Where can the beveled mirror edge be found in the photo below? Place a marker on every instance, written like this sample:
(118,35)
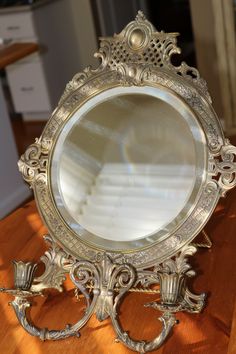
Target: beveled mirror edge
(201,165)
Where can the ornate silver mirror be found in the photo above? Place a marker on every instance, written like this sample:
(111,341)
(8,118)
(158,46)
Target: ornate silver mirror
(116,180)
(127,172)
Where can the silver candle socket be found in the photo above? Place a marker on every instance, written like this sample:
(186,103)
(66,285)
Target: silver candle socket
(171,286)
(24,274)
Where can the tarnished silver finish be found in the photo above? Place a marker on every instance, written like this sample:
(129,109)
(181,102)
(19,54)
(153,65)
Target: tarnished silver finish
(137,57)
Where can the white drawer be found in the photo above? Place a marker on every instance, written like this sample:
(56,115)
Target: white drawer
(16,25)
(28,87)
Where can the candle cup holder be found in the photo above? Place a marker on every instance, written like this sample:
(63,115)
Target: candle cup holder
(24,274)
(171,287)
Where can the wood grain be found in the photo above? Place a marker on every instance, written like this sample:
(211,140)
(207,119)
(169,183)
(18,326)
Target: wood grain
(13,52)
(209,332)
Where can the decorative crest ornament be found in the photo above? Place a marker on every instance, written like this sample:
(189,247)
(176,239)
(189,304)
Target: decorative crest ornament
(33,163)
(139,56)
(134,52)
(223,167)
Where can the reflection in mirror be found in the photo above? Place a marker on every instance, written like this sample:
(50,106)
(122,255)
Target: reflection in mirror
(127,167)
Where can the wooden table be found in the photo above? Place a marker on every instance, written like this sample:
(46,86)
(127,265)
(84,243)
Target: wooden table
(210,332)
(9,54)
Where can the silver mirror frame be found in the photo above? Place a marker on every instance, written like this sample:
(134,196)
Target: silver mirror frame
(147,64)
(137,57)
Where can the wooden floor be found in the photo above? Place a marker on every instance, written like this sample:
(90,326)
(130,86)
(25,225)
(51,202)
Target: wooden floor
(207,333)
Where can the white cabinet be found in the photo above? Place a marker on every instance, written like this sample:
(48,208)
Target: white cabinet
(28,87)
(37,82)
(13,190)
(17,25)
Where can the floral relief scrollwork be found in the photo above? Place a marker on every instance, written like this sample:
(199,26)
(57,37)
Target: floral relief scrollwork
(33,163)
(122,53)
(57,264)
(85,274)
(223,167)
(114,281)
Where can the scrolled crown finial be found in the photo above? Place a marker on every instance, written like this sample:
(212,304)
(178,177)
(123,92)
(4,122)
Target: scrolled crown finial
(140,16)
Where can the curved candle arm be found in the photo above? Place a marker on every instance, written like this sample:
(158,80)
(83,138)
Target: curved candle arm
(103,283)
(168,321)
(21,304)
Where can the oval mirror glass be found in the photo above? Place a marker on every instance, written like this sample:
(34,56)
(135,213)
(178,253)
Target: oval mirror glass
(125,166)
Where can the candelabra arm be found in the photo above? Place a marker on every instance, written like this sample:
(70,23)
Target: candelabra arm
(20,306)
(57,264)
(174,297)
(125,276)
(168,321)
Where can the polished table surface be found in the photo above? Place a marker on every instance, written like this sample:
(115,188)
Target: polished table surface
(212,331)
(10,53)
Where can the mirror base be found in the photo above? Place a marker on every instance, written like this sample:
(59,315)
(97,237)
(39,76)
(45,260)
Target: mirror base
(103,283)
